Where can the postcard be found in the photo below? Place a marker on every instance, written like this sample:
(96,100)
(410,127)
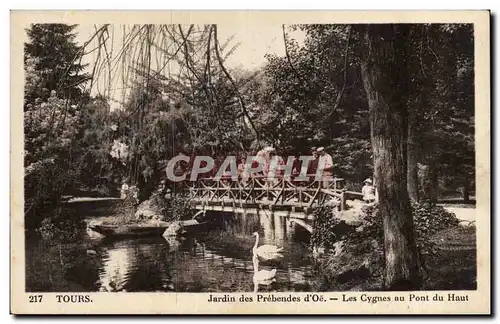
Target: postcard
(250,162)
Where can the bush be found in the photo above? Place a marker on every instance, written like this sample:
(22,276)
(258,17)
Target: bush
(50,134)
(372,227)
(179,208)
(355,257)
(428,219)
(64,226)
(324,227)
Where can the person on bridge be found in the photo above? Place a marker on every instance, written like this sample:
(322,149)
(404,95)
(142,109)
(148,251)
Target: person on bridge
(241,165)
(325,165)
(296,167)
(274,166)
(260,158)
(312,167)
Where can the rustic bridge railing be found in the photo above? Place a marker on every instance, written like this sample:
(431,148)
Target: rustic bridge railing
(279,193)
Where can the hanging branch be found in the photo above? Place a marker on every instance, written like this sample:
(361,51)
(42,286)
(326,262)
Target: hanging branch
(207,66)
(341,93)
(207,73)
(429,46)
(211,96)
(173,55)
(288,58)
(189,65)
(238,94)
(128,39)
(422,52)
(186,53)
(149,42)
(210,88)
(157,72)
(81,51)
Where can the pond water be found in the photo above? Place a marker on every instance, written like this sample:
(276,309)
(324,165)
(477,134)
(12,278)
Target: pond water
(219,260)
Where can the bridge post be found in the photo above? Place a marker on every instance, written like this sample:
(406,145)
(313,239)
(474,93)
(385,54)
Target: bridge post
(266,184)
(240,193)
(299,190)
(234,192)
(342,201)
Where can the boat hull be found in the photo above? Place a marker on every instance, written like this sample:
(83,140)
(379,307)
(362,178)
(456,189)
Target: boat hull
(143,230)
(129,231)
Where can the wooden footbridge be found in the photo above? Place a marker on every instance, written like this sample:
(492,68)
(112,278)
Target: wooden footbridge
(281,196)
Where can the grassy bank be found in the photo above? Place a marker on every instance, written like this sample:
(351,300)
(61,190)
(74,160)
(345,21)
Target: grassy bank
(454,267)
(451,267)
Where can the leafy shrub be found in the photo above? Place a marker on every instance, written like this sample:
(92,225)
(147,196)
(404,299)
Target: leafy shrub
(179,208)
(353,253)
(372,228)
(50,129)
(355,258)
(324,227)
(428,219)
(64,226)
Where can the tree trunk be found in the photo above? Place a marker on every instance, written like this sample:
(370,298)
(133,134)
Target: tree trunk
(466,191)
(384,78)
(432,183)
(412,169)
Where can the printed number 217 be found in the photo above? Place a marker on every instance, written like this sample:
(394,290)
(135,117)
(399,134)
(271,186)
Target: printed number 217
(35,298)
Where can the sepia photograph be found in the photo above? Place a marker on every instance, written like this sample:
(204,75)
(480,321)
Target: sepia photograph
(246,157)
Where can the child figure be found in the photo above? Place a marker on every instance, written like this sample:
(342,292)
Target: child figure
(368,191)
(124,189)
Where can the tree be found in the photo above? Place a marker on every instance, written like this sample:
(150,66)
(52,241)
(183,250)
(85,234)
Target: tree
(51,130)
(96,170)
(385,79)
(420,100)
(52,119)
(53,62)
(443,107)
(319,90)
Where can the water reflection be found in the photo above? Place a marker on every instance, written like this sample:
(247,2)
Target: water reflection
(267,224)
(279,228)
(115,269)
(262,277)
(218,261)
(135,265)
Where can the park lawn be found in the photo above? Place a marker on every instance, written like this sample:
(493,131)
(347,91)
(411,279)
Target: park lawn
(453,268)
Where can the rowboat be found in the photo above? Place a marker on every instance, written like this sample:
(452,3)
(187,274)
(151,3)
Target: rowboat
(148,229)
(130,230)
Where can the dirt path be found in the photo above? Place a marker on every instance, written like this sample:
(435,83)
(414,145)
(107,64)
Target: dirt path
(466,214)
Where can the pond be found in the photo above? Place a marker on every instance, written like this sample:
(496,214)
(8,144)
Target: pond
(219,260)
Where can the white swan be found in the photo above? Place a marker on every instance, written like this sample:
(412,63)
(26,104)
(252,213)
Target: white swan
(262,277)
(266,251)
